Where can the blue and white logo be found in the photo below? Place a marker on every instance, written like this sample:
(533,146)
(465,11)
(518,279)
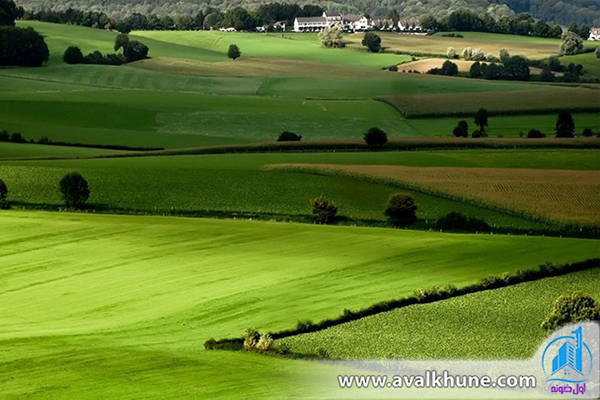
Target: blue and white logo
(567,359)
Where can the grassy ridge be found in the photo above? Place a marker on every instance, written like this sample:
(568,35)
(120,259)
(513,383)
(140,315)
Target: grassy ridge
(112,300)
(438,330)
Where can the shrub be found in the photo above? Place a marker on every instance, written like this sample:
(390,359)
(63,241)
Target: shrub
(287,136)
(3,195)
(73,55)
(504,55)
(597,52)
(478,134)
(449,68)
(393,68)
(587,132)
(264,343)
(372,42)
(571,44)
(457,221)
(304,325)
(234,52)
(535,134)
(450,53)
(477,55)
(375,137)
(251,338)
(461,129)
(135,51)
(17,138)
(4,136)
(475,71)
(323,210)
(74,189)
(573,307)
(490,282)
(401,210)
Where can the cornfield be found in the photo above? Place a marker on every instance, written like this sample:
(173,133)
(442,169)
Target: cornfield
(551,195)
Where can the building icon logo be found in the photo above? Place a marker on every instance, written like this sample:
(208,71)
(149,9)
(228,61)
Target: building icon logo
(567,359)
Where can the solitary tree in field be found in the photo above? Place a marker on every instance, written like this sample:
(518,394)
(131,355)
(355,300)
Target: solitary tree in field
(573,307)
(481,119)
(372,42)
(565,125)
(332,37)
(74,189)
(375,137)
(571,44)
(3,195)
(401,210)
(234,52)
(323,210)
(134,51)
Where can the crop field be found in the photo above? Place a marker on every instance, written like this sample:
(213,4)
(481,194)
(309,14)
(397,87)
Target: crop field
(439,329)
(534,48)
(507,102)
(92,303)
(566,196)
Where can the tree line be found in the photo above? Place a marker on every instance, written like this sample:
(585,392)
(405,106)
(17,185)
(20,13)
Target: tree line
(523,24)
(210,18)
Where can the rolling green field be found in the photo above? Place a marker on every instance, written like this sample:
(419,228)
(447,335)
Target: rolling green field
(238,183)
(97,306)
(462,328)
(190,94)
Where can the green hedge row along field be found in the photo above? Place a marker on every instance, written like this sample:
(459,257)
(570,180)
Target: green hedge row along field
(440,329)
(547,100)
(104,306)
(18,150)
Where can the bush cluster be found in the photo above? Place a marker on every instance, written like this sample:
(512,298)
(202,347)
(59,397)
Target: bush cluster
(424,295)
(287,136)
(458,222)
(323,210)
(573,307)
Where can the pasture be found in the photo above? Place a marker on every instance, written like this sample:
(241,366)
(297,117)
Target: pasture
(554,195)
(96,305)
(440,329)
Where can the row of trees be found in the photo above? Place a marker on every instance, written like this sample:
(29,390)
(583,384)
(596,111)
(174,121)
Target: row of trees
(564,127)
(133,50)
(210,18)
(522,24)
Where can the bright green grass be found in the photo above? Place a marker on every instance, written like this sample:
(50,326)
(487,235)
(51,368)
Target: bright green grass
(463,327)
(14,150)
(111,306)
(59,37)
(236,182)
(167,119)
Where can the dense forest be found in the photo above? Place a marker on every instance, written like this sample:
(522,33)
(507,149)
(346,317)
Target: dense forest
(558,11)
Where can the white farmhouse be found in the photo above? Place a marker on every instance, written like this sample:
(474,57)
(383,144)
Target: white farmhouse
(594,34)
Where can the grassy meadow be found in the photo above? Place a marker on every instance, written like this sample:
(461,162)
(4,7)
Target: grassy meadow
(460,328)
(190,94)
(101,306)
(116,300)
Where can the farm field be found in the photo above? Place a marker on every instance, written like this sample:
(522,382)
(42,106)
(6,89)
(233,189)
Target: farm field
(460,328)
(565,196)
(131,299)
(190,94)
(237,182)
(534,48)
